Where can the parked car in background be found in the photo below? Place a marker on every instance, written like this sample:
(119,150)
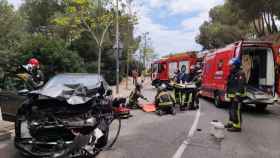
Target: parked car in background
(258,63)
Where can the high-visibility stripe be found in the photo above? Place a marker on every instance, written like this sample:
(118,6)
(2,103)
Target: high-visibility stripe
(166,104)
(190,98)
(238,125)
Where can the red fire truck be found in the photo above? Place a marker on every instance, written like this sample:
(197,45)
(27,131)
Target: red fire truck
(164,69)
(258,64)
(277,60)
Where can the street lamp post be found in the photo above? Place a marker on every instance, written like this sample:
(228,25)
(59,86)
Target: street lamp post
(130,49)
(117,47)
(144,54)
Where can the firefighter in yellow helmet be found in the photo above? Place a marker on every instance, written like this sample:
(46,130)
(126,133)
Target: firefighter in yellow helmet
(164,101)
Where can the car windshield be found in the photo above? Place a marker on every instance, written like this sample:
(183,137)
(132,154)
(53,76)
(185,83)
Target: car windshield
(87,80)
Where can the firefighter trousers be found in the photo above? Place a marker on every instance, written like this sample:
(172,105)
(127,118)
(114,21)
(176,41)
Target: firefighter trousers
(195,98)
(235,115)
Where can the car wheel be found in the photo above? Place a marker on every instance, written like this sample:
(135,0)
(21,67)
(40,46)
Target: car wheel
(261,107)
(102,142)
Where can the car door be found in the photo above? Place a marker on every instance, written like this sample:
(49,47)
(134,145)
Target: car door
(10,99)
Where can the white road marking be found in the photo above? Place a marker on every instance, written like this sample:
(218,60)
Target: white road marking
(184,145)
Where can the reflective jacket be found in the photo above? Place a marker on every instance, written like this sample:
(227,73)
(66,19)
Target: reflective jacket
(164,99)
(236,82)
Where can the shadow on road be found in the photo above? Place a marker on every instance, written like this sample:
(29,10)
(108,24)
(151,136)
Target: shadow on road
(272,110)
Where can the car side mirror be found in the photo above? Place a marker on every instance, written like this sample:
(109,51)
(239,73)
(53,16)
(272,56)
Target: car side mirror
(109,92)
(23,92)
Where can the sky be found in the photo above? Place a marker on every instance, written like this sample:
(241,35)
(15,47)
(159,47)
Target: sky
(172,24)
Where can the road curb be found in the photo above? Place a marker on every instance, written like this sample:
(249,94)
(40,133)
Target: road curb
(5,135)
(5,130)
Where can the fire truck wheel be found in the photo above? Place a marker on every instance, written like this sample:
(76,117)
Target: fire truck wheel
(217,101)
(261,107)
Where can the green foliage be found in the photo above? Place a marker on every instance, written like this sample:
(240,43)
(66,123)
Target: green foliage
(11,28)
(84,15)
(65,35)
(39,13)
(239,19)
(224,27)
(54,56)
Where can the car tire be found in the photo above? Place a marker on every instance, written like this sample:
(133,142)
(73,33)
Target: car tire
(261,107)
(102,142)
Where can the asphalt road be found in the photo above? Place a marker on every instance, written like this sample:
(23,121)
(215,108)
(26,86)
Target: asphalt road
(147,135)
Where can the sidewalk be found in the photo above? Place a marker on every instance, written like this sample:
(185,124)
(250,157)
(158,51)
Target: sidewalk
(125,91)
(5,128)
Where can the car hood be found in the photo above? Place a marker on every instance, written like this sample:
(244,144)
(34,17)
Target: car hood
(73,94)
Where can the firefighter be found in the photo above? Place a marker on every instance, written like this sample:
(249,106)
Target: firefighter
(179,92)
(37,75)
(134,96)
(175,75)
(195,77)
(164,101)
(235,92)
(198,82)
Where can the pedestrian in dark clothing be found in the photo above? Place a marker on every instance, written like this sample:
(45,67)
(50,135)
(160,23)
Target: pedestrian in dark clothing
(235,92)
(135,75)
(195,78)
(183,76)
(134,96)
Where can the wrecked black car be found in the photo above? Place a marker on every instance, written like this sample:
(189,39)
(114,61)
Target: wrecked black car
(71,116)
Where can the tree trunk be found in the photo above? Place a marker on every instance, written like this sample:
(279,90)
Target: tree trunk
(127,67)
(256,28)
(266,18)
(262,26)
(99,59)
(274,26)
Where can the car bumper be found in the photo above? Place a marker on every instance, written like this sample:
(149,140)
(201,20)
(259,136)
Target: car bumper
(25,147)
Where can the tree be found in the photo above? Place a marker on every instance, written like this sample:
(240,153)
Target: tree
(224,27)
(12,27)
(85,15)
(53,55)
(39,13)
(261,13)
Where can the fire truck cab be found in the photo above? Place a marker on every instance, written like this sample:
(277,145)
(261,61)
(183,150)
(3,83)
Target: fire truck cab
(165,69)
(257,63)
